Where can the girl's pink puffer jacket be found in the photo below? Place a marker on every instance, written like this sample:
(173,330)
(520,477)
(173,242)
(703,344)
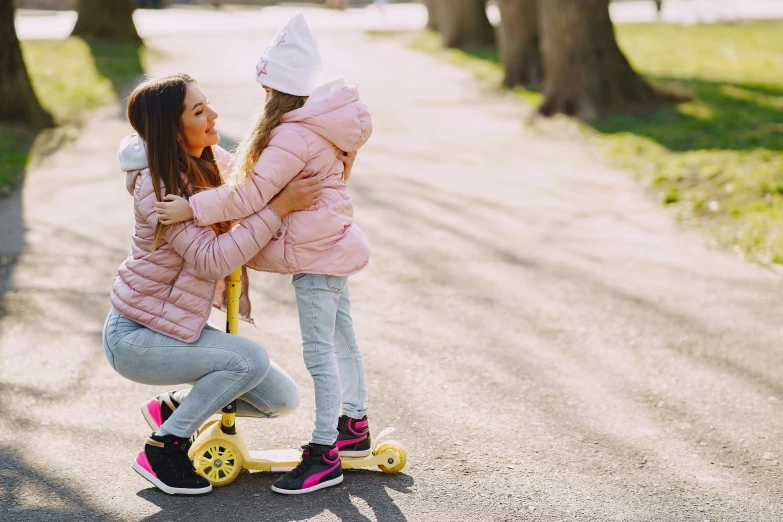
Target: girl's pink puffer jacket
(172,290)
(320,240)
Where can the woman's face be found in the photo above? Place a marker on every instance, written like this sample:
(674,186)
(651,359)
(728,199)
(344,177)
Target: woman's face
(268,93)
(198,122)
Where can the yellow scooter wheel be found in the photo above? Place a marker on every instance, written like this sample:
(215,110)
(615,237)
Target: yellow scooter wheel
(218,461)
(393,464)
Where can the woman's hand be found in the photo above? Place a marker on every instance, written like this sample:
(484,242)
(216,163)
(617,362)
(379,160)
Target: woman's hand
(300,193)
(173,209)
(347,158)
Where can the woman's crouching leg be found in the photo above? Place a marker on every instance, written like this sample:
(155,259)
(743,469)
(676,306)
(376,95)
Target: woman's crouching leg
(275,396)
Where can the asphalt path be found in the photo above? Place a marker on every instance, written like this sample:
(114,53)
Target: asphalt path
(549,344)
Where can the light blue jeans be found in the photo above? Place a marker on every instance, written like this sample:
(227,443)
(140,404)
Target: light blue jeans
(220,366)
(331,353)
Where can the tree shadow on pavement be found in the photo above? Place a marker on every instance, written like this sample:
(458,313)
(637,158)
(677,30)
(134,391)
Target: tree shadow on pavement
(27,494)
(250,496)
(121,65)
(18,145)
(394,200)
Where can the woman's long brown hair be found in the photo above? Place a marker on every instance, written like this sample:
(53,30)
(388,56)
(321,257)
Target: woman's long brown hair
(155,110)
(251,148)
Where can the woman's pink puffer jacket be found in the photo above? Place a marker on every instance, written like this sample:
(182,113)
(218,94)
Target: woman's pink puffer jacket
(172,290)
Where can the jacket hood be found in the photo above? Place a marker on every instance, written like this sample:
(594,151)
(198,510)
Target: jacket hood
(335,112)
(133,153)
(133,159)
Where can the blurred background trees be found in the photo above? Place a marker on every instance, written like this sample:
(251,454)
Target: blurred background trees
(567,49)
(18,102)
(463,23)
(519,43)
(106,20)
(586,72)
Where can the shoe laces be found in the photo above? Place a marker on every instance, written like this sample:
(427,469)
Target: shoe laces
(304,464)
(179,461)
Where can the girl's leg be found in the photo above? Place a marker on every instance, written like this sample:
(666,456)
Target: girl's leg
(317,298)
(222,366)
(349,361)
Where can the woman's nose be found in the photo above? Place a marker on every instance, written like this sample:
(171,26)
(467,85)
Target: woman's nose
(213,115)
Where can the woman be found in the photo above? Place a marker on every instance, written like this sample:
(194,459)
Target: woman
(163,292)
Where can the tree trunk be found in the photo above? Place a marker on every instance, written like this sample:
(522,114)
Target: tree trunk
(18,102)
(586,73)
(107,20)
(518,40)
(432,14)
(464,23)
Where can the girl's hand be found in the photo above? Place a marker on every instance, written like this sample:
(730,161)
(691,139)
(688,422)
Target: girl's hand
(347,158)
(173,209)
(301,192)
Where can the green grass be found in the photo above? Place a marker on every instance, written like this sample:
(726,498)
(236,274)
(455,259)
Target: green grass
(70,77)
(717,160)
(15,146)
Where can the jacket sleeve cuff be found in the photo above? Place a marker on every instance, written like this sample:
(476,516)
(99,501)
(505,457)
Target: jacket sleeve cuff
(193,210)
(204,213)
(272,221)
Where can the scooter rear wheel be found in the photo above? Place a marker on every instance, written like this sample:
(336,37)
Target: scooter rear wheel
(393,465)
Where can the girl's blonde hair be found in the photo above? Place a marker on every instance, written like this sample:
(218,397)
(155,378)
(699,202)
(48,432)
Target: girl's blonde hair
(250,149)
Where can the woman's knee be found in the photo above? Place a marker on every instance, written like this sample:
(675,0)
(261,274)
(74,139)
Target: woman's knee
(250,358)
(289,399)
(276,396)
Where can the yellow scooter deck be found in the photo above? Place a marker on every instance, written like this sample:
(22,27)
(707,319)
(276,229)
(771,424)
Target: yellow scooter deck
(219,457)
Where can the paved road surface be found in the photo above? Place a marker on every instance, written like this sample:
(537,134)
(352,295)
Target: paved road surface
(548,343)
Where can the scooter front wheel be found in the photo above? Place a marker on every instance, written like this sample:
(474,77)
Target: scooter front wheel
(218,461)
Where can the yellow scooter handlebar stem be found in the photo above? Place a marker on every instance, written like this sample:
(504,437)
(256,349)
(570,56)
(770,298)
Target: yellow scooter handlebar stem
(233,291)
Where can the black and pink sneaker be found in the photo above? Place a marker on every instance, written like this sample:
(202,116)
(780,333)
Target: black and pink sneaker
(164,462)
(353,437)
(320,468)
(158,409)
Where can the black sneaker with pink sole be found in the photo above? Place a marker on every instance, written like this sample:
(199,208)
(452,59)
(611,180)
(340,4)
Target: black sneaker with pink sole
(164,462)
(353,437)
(158,409)
(320,468)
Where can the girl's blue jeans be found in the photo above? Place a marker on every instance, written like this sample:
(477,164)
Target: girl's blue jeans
(331,353)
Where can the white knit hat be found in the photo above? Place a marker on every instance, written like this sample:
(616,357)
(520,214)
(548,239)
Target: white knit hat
(291,63)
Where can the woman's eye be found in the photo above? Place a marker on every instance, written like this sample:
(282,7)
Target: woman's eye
(199,112)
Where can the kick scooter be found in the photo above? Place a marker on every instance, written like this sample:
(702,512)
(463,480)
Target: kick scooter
(219,452)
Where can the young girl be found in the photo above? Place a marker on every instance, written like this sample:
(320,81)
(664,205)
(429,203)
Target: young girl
(304,126)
